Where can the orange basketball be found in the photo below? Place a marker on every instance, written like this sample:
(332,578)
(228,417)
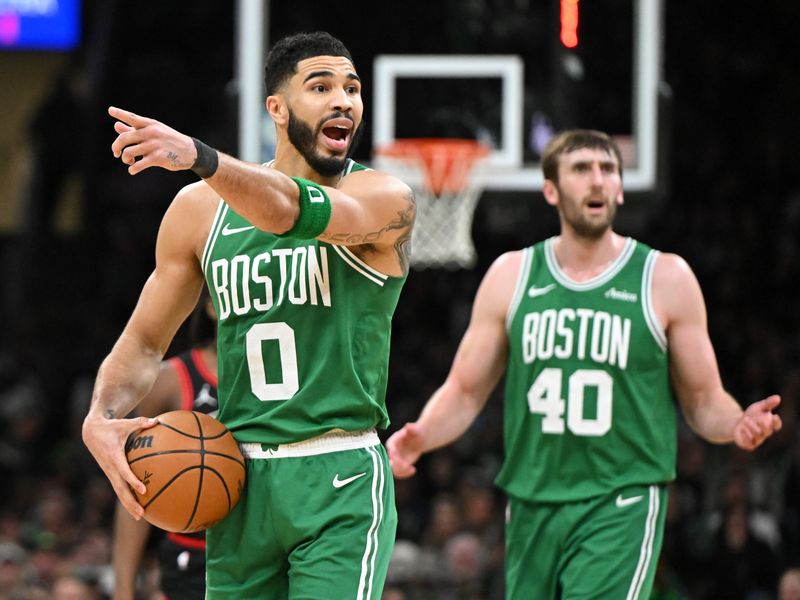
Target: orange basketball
(193,470)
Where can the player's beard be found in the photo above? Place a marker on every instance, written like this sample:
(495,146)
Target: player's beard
(304,139)
(572,214)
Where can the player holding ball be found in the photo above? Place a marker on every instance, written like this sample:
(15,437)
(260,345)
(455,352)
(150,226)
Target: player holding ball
(305,259)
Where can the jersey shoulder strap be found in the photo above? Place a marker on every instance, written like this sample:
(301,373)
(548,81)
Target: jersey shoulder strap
(352,166)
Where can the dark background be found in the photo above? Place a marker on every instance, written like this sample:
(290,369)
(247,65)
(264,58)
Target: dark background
(79,244)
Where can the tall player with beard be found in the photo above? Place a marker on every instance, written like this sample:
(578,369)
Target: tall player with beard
(593,331)
(304,259)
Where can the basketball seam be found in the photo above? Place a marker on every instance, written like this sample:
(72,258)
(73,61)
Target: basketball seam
(191,435)
(170,482)
(209,452)
(202,471)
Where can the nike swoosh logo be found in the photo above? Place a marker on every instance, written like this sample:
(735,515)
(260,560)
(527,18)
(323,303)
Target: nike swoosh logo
(623,502)
(340,483)
(533,291)
(228,230)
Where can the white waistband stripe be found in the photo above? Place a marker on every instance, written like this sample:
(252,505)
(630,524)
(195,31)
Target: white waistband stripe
(333,441)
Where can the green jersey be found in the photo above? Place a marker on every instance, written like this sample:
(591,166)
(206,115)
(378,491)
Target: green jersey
(588,402)
(303,333)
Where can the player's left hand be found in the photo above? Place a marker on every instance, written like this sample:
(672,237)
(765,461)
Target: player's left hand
(404,448)
(757,423)
(143,143)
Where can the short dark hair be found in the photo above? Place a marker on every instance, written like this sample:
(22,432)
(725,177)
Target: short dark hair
(283,57)
(575,139)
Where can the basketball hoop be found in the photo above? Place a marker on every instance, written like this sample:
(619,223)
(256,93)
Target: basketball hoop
(446,197)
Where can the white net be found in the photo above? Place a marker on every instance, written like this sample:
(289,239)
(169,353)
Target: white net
(440,172)
(442,235)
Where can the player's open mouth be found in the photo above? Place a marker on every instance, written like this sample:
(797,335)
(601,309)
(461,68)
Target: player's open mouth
(336,133)
(595,204)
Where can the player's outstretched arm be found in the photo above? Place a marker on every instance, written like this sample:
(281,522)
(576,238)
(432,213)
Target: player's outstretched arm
(368,207)
(477,367)
(128,372)
(264,196)
(711,411)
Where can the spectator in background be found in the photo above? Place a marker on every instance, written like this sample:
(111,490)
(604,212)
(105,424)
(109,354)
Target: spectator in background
(741,566)
(465,563)
(12,570)
(446,520)
(75,586)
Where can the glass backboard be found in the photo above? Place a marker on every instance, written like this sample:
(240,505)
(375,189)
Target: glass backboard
(519,83)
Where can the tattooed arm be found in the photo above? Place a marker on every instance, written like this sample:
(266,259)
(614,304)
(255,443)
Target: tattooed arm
(373,213)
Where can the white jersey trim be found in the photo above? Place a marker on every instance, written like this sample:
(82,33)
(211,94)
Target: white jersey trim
(650,317)
(595,282)
(359,265)
(216,225)
(350,165)
(348,168)
(522,282)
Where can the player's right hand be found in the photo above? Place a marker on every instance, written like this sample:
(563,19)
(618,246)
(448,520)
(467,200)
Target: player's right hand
(405,447)
(143,142)
(105,438)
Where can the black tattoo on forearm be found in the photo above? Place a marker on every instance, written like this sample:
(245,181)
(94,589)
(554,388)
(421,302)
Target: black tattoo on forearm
(403,220)
(110,413)
(403,244)
(403,248)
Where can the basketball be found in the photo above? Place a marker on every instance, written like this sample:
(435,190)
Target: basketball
(193,470)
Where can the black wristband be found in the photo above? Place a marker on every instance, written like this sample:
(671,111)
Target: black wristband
(207,161)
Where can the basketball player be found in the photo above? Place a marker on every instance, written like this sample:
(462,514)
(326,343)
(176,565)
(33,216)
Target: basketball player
(593,331)
(305,259)
(187,381)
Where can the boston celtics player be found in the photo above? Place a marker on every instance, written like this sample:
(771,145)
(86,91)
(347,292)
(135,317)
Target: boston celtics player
(304,259)
(593,331)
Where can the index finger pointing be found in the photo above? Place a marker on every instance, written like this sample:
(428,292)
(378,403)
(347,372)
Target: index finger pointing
(771,402)
(128,117)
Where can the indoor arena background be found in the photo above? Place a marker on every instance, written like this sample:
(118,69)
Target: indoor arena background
(77,235)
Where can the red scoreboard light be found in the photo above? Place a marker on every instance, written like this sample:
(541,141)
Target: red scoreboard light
(569,23)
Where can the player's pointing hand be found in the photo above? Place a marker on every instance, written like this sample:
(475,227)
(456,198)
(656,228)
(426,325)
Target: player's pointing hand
(142,143)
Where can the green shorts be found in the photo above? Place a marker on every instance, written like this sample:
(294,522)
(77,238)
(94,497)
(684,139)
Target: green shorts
(315,520)
(602,548)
